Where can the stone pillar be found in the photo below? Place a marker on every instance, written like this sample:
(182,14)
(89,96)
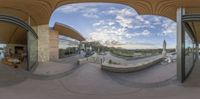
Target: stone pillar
(53,46)
(43,43)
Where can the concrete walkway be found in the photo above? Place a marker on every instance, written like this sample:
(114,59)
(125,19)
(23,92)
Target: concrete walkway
(194,79)
(11,76)
(57,67)
(52,68)
(89,82)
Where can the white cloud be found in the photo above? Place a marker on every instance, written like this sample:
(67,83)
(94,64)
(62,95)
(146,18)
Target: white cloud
(105,33)
(140,18)
(143,33)
(121,24)
(126,12)
(87,10)
(137,46)
(99,23)
(90,12)
(169,27)
(124,22)
(122,16)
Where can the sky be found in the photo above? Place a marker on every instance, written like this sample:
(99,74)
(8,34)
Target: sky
(117,25)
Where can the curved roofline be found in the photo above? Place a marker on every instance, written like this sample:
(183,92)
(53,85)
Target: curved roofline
(18,22)
(142,7)
(57,26)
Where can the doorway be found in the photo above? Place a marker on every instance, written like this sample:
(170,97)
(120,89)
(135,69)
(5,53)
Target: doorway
(20,48)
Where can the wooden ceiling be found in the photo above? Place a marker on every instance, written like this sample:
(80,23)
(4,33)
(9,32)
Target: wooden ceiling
(68,31)
(12,34)
(40,11)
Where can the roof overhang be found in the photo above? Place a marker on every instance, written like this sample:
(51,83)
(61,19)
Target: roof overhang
(68,31)
(40,11)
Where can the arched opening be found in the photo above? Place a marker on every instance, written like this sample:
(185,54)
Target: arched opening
(18,43)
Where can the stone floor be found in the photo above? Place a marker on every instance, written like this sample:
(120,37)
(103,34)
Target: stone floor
(52,68)
(11,76)
(57,67)
(90,82)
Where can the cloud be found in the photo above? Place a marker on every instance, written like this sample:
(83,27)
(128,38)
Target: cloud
(136,34)
(124,22)
(122,16)
(88,10)
(121,24)
(137,46)
(169,27)
(125,11)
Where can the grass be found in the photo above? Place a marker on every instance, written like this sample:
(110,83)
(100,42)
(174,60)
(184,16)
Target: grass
(131,54)
(119,53)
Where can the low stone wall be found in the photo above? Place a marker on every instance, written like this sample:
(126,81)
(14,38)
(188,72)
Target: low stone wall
(130,67)
(91,59)
(82,61)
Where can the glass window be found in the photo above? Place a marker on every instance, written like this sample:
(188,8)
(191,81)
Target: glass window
(189,54)
(32,50)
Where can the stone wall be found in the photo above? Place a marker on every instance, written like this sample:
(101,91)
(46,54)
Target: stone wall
(43,43)
(53,46)
(126,68)
(48,41)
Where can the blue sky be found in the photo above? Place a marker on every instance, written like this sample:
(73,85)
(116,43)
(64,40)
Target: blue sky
(117,25)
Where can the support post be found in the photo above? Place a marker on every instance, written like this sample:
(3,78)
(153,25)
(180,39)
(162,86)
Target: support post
(180,46)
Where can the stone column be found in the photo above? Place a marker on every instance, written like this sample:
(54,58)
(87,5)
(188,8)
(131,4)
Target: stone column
(54,45)
(43,43)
